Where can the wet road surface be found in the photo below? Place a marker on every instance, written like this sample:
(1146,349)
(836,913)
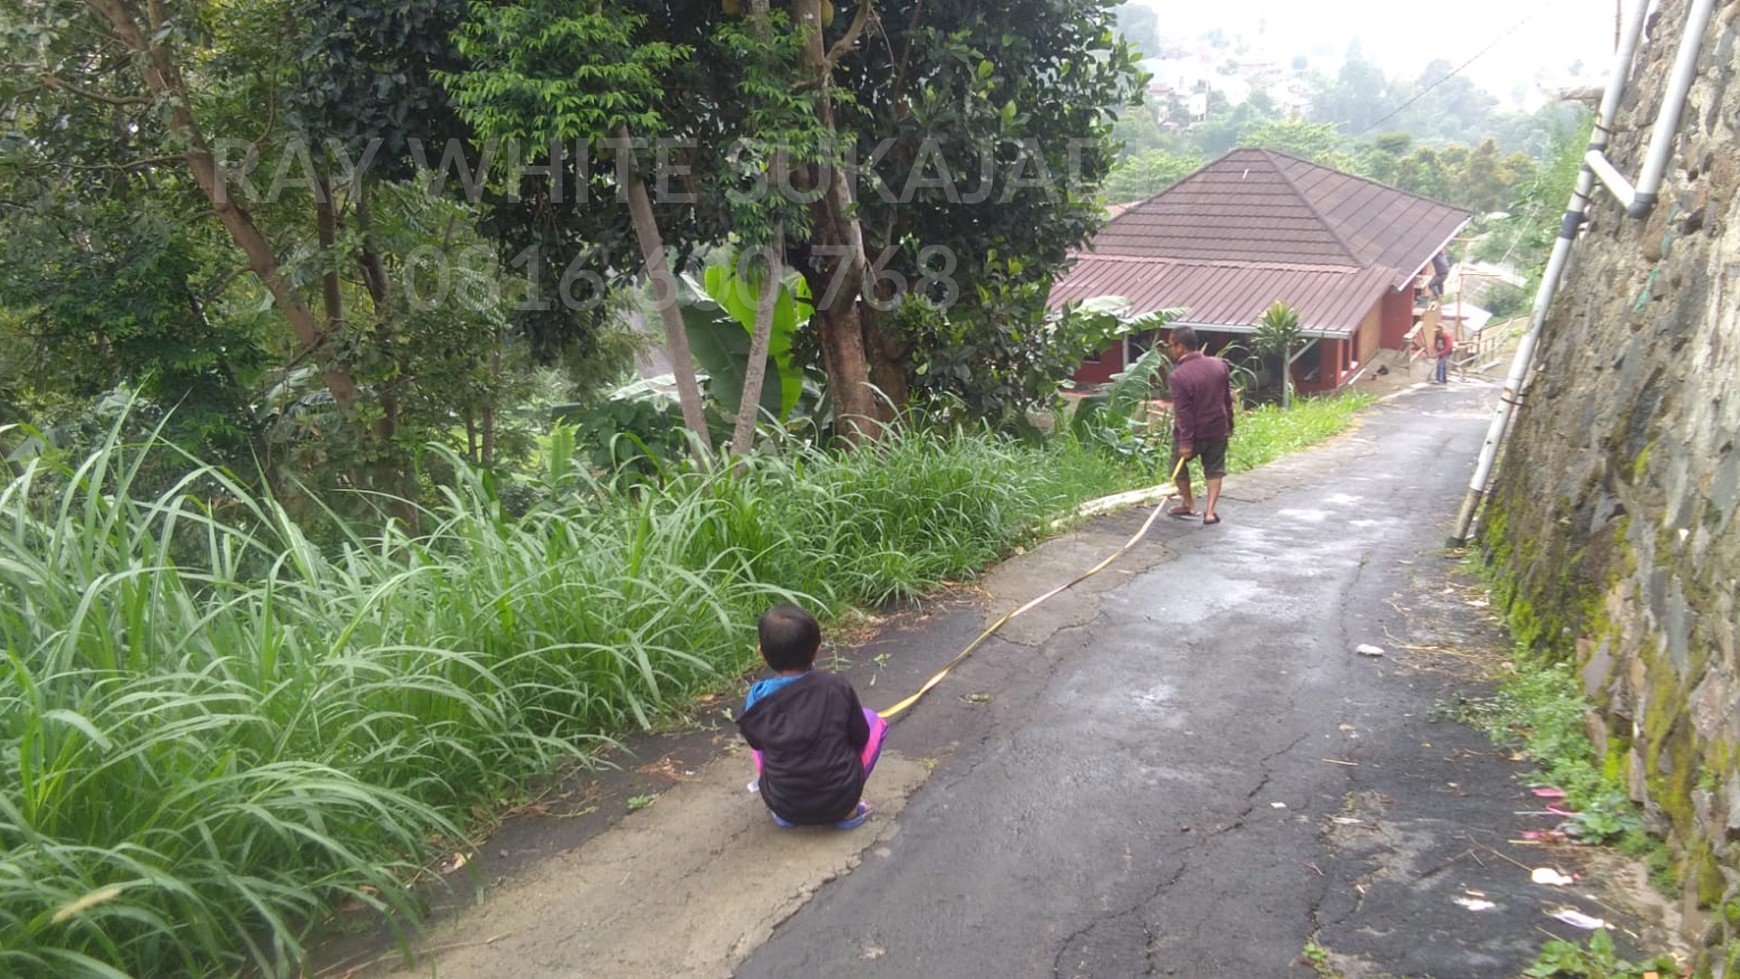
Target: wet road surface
(1187,769)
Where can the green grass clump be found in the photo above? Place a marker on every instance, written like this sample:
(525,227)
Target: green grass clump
(1598,960)
(1267,432)
(212,731)
(1542,708)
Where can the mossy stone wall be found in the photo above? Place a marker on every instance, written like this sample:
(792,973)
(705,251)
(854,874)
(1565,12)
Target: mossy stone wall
(1613,523)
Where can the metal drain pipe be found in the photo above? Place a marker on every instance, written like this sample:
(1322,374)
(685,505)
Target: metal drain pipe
(1639,200)
(1569,226)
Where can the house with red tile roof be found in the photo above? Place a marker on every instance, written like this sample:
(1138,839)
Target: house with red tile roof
(1257,227)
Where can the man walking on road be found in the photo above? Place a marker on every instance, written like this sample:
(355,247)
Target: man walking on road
(1202,421)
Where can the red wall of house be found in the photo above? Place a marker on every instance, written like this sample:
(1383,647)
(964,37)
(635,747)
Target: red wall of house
(1331,366)
(1111,362)
(1340,358)
(1398,318)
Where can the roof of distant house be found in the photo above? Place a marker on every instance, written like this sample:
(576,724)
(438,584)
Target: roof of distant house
(1256,227)
(1229,296)
(1262,206)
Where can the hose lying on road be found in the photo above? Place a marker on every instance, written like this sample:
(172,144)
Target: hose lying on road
(889,712)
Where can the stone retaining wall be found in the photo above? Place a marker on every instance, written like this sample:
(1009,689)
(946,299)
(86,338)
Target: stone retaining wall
(1613,518)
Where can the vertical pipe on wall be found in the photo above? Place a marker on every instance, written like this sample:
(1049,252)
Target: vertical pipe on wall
(1569,226)
(1667,122)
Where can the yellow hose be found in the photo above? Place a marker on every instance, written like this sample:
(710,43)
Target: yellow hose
(889,712)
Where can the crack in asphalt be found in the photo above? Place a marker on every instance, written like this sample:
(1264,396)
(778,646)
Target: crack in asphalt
(1136,911)
(1263,783)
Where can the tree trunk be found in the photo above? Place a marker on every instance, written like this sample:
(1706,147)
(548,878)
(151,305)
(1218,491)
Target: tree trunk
(845,269)
(842,337)
(326,230)
(163,78)
(1286,377)
(755,374)
(652,249)
(488,443)
(887,363)
(374,269)
(760,338)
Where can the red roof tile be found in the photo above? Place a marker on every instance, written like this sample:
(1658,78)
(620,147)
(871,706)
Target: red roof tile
(1229,296)
(1260,206)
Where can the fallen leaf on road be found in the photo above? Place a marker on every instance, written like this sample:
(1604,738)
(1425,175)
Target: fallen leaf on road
(1571,916)
(1277,805)
(1475,904)
(1367,649)
(666,767)
(1547,875)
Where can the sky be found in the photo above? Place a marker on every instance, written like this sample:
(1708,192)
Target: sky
(1528,37)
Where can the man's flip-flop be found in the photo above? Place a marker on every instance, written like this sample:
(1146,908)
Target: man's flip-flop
(1210,521)
(1181,513)
(856,820)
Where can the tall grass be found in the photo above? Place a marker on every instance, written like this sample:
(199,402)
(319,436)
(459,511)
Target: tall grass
(212,730)
(1267,432)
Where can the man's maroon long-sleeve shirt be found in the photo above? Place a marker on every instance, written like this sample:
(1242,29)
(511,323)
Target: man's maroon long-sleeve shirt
(1202,405)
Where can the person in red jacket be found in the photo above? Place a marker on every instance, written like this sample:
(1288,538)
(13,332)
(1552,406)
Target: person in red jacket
(1442,348)
(813,743)
(1202,420)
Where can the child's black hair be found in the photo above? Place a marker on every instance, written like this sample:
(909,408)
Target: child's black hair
(790,637)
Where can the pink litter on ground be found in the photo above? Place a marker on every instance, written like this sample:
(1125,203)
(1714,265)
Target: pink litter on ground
(1549,792)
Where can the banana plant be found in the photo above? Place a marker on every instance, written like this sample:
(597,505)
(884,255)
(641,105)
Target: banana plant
(719,317)
(1117,418)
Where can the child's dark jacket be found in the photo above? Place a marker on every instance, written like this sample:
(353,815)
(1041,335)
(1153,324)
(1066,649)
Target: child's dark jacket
(811,734)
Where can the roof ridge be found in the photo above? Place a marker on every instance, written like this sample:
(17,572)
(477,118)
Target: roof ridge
(1230,263)
(1329,226)
(1364,180)
(1135,206)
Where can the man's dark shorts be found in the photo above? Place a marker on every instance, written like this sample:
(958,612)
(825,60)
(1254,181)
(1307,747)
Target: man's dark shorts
(1211,453)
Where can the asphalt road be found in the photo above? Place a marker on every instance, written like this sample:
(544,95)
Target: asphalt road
(1183,767)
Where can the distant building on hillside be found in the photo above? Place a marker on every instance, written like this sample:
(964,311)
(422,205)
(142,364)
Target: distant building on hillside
(1257,227)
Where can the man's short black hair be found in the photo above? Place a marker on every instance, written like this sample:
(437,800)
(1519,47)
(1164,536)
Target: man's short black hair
(1186,337)
(790,637)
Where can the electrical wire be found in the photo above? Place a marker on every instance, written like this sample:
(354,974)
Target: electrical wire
(1495,42)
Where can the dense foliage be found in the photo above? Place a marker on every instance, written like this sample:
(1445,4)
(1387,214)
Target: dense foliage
(295,574)
(290,217)
(218,730)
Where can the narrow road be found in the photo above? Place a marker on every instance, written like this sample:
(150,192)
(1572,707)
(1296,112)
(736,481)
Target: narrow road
(1190,770)
(1182,766)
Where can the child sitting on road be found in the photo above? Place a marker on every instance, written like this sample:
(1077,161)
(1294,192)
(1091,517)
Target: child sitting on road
(814,744)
